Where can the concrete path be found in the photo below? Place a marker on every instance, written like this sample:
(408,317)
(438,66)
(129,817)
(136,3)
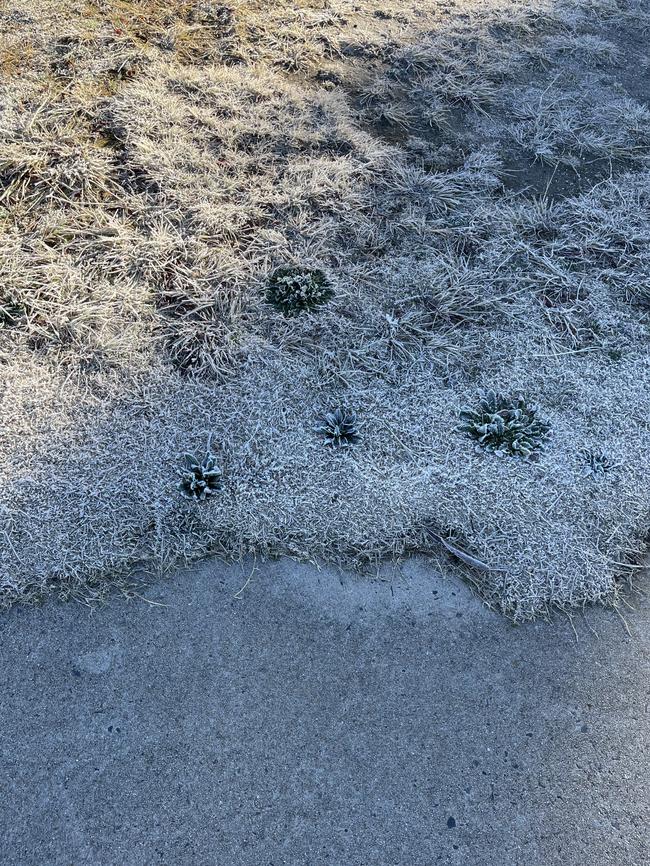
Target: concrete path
(317,719)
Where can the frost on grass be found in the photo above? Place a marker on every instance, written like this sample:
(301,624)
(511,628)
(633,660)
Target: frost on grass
(475,188)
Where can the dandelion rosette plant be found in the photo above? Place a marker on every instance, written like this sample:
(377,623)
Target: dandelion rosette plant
(596,463)
(340,428)
(295,290)
(199,478)
(505,425)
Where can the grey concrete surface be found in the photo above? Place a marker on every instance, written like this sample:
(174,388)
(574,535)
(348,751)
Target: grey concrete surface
(316,718)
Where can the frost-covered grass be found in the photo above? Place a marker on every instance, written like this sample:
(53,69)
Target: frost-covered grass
(455,199)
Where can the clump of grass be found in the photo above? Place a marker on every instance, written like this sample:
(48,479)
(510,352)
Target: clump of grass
(201,332)
(43,164)
(639,294)
(505,425)
(200,478)
(216,15)
(295,290)
(202,347)
(340,428)
(559,126)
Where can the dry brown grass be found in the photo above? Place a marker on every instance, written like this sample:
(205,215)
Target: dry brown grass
(474,182)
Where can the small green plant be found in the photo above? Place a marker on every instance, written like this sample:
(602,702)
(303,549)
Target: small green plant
(596,463)
(10,313)
(504,425)
(340,428)
(199,478)
(294,290)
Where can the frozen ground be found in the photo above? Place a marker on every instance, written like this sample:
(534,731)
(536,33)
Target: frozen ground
(470,178)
